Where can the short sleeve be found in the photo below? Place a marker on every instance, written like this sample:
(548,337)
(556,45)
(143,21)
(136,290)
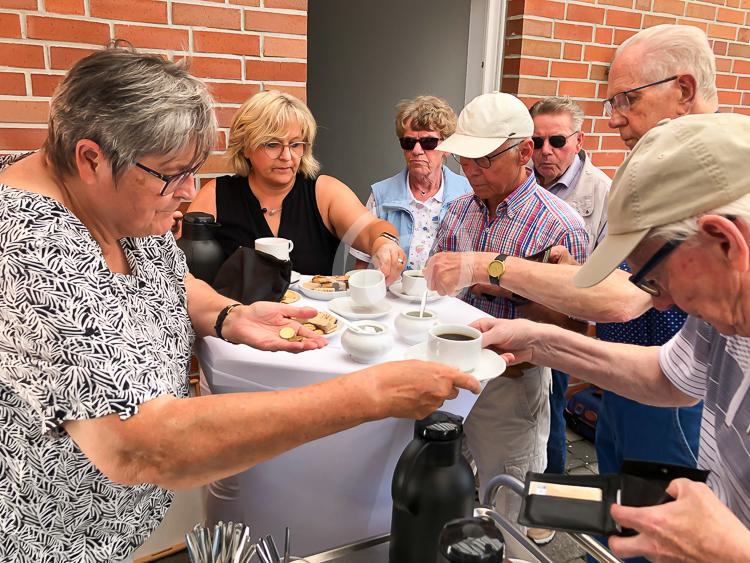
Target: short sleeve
(683,359)
(577,243)
(76,340)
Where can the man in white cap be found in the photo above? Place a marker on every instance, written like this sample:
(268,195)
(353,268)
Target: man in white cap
(508,214)
(688,244)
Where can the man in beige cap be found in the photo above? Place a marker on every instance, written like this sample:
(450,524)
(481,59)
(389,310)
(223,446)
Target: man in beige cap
(680,213)
(508,214)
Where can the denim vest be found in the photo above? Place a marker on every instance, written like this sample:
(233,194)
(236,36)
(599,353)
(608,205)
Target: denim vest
(392,200)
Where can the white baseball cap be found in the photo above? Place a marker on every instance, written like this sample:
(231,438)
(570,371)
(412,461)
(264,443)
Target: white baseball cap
(487,122)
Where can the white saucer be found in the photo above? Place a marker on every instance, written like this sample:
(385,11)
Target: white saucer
(294,278)
(396,290)
(491,364)
(345,307)
(319,295)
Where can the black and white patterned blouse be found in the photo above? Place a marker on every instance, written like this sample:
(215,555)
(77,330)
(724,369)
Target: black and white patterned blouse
(78,341)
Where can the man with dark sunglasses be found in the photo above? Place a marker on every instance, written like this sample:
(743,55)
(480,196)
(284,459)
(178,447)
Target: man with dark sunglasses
(680,214)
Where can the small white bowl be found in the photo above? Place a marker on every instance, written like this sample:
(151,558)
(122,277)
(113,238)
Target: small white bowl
(366,341)
(414,329)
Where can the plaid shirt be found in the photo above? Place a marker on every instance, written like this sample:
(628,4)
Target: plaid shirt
(528,221)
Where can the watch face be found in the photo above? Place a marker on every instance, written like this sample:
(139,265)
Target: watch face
(496,269)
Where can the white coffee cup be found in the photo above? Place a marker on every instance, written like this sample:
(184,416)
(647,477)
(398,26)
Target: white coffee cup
(459,346)
(367,287)
(278,247)
(413,282)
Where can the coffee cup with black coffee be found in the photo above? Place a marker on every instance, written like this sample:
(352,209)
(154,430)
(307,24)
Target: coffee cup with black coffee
(459,346)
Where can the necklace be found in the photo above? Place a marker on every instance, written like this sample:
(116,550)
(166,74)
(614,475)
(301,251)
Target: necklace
(271,212)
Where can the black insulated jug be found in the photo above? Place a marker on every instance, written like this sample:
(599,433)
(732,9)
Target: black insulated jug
(432,484)
(202,251)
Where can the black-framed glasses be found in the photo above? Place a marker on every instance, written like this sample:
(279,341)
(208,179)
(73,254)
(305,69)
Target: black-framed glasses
(484,161)
(555,141)
(427,143)
(172,182)
(274,148)
(639,278)
(620,101)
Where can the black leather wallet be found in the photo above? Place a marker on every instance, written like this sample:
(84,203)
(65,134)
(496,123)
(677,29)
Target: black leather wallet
(581,503)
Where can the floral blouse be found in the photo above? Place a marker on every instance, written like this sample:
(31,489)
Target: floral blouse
(78,341)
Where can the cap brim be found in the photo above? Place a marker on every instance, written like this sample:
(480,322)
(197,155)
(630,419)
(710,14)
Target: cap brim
(468,146)
(608,255)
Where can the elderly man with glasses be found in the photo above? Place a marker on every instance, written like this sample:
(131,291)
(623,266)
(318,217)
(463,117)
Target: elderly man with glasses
(688,243)
(507,214)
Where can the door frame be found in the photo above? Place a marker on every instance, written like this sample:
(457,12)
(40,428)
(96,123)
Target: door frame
(485,50)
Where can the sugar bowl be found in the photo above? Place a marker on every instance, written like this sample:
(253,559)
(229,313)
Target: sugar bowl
(412,327)
(366,341)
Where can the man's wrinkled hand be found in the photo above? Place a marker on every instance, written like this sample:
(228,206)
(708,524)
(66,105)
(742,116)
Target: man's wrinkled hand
(561,255)
(449,272)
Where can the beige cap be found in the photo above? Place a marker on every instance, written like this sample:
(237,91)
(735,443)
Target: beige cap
(681,168)
(487,122)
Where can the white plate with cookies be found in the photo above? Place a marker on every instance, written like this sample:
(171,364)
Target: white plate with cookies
(324,288)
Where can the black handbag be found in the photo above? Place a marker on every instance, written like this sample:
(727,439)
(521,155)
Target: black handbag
(249,275)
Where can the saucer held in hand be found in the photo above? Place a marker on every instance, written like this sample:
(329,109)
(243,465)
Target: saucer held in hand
(491,364)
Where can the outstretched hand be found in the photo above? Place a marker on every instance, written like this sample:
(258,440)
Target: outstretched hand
(258,325)
(513,340)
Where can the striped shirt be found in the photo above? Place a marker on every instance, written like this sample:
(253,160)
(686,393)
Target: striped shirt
(528,221)
(704,364)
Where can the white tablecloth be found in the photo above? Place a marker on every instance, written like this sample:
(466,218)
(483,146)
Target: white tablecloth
(334,490)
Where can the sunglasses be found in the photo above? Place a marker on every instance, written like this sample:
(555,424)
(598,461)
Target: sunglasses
(427,143)
(555,141)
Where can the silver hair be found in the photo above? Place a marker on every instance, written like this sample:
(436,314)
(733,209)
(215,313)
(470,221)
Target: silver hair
(554,105)
(131,104)
(686,228)
(674,49)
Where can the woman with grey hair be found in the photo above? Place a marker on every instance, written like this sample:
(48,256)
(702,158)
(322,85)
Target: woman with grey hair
(416,198)
(98,315)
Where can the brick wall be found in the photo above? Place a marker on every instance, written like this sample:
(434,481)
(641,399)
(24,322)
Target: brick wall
(564,48)
(238,46)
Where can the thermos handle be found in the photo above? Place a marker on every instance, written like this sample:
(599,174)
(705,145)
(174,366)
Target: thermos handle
(400,485)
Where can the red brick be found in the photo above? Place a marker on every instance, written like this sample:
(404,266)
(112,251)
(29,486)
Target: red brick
(591,143)
(743,35)
(643,5)
(287,4)
(723,64)
(298,91)
(59,29)
(10,25)
(569,70)
(275,71)
(676,7)
(592,108)
(19,4)
(537,48)
(151,11)
(700,11)
(622,18)
(601,90)
(23,111)
(221,142)
(66,57)
(612,142)
(206,16)
(734,3)
(599,54)
(573,32)
(608,158)
(585,14)
(149,37)
(620,3)
(22,56)
(577,89)
(65,7)
(649,20)
(719,47)
(746,99)
(21,139)
(509,85)
(515,8)
(215,67)
(275,23)
(729,97)
(538,28)
(281,47)
(599,72)
(232,43)
(544,8)
(245,2)
(215,164)
(537,86)
(602,126)
(513,46)
(743,83)
(739,50)
(572,52)
(604,35)
(722,31)
(622,34)
(232,92)
(745,111)
(12,84)
(45,84)
(731,16)
(524,66)
(726,81)
(225,114)
(703,26)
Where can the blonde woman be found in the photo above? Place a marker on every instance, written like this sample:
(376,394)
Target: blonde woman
(276,191)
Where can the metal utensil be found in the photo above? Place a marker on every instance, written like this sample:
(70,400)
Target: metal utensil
(286,545)
(273,550)
(423,304)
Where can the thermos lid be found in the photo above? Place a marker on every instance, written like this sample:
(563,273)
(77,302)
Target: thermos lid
(198,225)
(440,427)
(472,540)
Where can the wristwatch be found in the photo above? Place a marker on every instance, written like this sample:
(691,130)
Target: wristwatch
(496,269)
